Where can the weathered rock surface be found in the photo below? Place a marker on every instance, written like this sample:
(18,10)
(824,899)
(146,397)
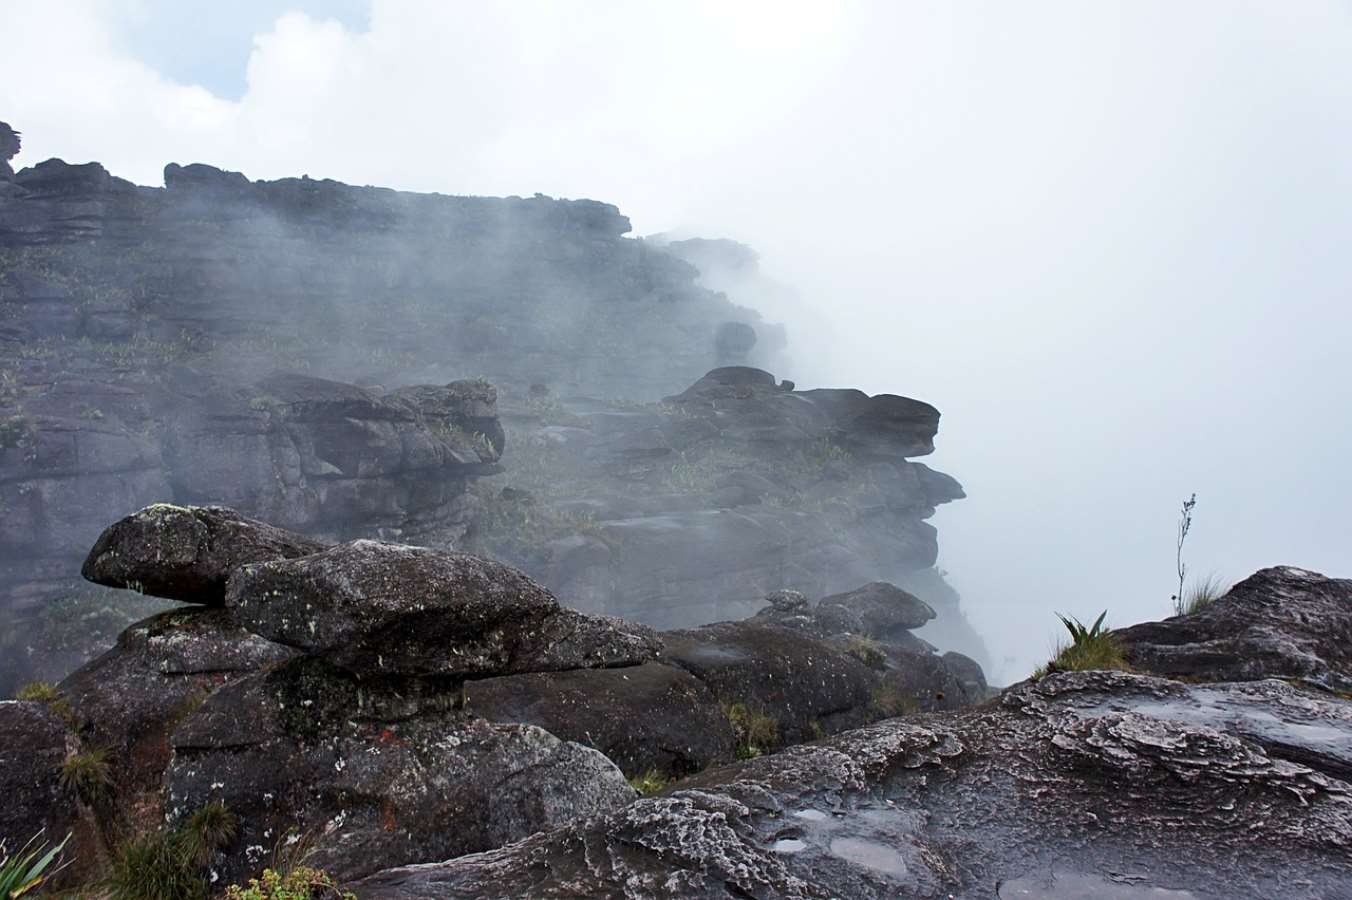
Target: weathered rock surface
(186,553)
(379,608)
(378,773)
(652,717)
(1281,622)
(128,700)
(135,323)
(688,510)
(806,686)
(1084,784)
(35,745)
(883,610)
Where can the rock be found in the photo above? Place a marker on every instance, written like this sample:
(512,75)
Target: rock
(9,148)
(380,608)
(35,745)
(883,609)
(186,552)
(805,686)
(644,718)
(969,674)
(380,774)
(1097,784)
(128,700)
(1281,622)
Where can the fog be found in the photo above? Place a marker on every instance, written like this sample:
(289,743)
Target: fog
(1109,242)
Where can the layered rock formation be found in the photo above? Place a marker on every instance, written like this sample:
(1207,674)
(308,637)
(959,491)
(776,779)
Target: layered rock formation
(405,704)
(252,344)
(692,509)
(1103,784)
(136,323)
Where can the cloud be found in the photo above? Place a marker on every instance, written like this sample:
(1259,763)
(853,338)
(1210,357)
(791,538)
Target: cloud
(1107,241)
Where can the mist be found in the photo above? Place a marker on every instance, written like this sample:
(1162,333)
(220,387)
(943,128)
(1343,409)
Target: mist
(1108,243)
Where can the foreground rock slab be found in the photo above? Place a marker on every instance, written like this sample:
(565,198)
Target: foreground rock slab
(1105,783)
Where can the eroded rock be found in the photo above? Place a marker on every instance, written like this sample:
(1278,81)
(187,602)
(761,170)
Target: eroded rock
(1281,622)
(187,552)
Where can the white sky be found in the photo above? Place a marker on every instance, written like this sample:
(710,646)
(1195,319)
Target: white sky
(1109,240)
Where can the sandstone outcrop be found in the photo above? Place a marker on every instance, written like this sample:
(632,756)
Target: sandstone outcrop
(1107,784)
(1281,622)
(689,510)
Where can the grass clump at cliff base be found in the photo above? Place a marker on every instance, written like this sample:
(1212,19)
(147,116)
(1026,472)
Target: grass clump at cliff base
(1091,648)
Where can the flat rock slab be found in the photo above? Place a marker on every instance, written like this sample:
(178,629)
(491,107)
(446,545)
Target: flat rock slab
(388,609)
(1280,622)
(187,552)
(1078,786)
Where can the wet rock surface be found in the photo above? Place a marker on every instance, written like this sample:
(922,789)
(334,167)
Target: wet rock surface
(1280,622)
(1071,784)
(379,773)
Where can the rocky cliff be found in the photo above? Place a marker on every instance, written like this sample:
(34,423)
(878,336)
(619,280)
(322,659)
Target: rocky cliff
(335,358)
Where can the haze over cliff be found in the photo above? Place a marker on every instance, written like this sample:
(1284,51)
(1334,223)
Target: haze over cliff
(1105,242)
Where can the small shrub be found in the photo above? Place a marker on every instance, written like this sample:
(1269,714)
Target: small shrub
(756,731)
(890,700)
(300,883)
(649,783)
(88,775)
(153,866)
(24,872)
(208,830)
(1091,648)
(867,651)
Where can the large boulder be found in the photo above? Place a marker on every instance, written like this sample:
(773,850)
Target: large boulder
(645,718)
(389,609)
(883,610)
(128,700)
(806,687)
(1281,622)
(1107,785)
(186,552)
(380,773)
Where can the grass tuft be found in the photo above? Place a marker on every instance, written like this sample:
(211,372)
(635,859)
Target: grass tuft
(867,651)
(23,873)
(1201,594)
(649,783)
(88,775)
(209,829)
(757,732)
(1092,648)
(152,866)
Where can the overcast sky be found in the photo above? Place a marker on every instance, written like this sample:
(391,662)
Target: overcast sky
(1112,242)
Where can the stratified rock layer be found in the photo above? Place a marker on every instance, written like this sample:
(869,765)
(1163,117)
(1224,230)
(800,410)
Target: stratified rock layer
(1103,784)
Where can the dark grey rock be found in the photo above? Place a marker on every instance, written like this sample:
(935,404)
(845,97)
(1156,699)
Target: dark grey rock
(883,609)
(1281,622)
(128,700)
(34,746)
(381,608)
(379,773)
(186,553)
(645,718)
(1085,784)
